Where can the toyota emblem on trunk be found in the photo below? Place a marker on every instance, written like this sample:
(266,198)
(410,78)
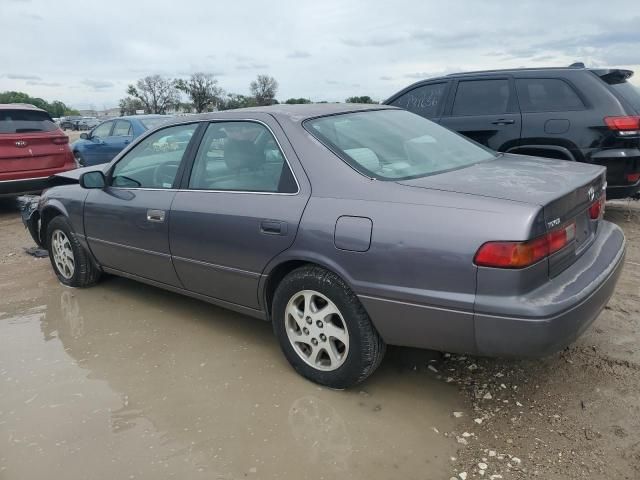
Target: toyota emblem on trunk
(21,143)
(592,194)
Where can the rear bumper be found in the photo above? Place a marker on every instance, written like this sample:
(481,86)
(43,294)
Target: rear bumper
(619,162)
(555,315)
(22,186)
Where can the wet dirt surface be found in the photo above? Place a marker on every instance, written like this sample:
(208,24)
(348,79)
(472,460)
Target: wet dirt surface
(127,381)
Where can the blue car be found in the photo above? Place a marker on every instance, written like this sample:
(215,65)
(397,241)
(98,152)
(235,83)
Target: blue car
(106,140)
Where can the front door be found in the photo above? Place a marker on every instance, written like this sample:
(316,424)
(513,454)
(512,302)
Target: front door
(96,150)
(239,207)
(485,111)
(127,223)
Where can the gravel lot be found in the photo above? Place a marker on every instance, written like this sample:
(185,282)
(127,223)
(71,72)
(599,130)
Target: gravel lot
(127,381)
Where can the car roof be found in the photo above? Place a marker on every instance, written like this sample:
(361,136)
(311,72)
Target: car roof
(293,113)
(141,117)
(19,106)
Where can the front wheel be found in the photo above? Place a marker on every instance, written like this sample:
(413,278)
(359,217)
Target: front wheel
(69,260)
(323,329)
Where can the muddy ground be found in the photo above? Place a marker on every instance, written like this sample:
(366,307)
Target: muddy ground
(128,381)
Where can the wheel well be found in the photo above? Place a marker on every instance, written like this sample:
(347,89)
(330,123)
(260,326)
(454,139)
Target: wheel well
(48,214)
(542,152)
(278,274)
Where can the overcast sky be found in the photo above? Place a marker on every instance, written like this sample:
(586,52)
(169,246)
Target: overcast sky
(86,52)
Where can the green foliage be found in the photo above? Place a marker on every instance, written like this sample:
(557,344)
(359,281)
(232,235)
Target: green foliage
(129,105)
(202,89)
(264,88)
(293,101)
(157,94)
(361,99)
(56,108)
(235,100)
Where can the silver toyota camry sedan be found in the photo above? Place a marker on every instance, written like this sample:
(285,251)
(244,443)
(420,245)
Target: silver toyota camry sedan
(350,228)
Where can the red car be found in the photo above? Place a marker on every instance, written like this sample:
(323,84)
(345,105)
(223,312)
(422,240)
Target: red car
(32,148)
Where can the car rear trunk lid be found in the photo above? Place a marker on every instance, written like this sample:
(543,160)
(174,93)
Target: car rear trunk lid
(564,190)
(32,151)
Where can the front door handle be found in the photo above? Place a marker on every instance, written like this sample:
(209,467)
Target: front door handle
(273,227)
(155,216)
(504,121)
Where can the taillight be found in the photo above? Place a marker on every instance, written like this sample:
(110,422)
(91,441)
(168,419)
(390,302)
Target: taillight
(629,125)
(61,140)
(523,254)
(596,210)
(632,177)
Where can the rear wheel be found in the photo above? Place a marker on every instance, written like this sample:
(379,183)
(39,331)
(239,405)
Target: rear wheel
(69,259)
(323,330)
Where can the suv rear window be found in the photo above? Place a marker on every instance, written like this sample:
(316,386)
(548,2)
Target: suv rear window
(546,95)
(481,97)
(629,92)
(25,121)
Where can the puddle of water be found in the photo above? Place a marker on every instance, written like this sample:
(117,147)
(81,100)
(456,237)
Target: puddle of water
(127,381)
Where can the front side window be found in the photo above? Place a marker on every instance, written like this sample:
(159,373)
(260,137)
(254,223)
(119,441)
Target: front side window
(395,144)
(102,131)
(546,95)
(241,156)
(122,129)
(481,97)
(424,100)
(154,162)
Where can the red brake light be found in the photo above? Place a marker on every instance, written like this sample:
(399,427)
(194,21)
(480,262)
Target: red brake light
(623,123)
(61,140)
(596,210)
(633,177)
(523,254)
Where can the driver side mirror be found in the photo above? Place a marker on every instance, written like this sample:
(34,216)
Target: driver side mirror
(93,179)
(84,136)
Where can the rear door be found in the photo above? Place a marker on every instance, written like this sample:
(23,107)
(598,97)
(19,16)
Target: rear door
(485,110)
(96,150)
(127,223)
(239,206)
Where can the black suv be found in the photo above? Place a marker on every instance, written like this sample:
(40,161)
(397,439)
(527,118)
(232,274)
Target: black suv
(573,113)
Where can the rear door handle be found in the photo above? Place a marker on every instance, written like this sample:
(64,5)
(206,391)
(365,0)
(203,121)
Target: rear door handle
(155,216)
(504,121)
(273,227)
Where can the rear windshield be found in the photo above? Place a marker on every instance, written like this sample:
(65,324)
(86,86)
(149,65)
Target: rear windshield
(395,144)
(629,92)
(150,123)
(25,121)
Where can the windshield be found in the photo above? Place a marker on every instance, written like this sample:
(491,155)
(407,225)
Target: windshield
(150,123)
(25,121)
(395,144)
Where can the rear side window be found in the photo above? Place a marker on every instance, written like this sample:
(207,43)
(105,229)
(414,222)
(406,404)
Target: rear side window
(630,93)
(25,121)
(241,156)
(546,95)
(424,100)
(481,97)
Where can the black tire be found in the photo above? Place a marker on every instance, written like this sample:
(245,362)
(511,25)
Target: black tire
(366,348)
(85,272)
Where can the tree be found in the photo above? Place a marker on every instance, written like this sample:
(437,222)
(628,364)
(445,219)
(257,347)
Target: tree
(157,94)
(56,108)
(264,89)
(292,101)
(235,100)
(362,99)
(129,106)
(202,89)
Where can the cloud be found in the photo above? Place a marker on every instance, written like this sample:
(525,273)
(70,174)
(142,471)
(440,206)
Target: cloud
(98,84)
(43,84)
(252,66)
(385,77)
(299,54)
(375,41)
(20,76)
